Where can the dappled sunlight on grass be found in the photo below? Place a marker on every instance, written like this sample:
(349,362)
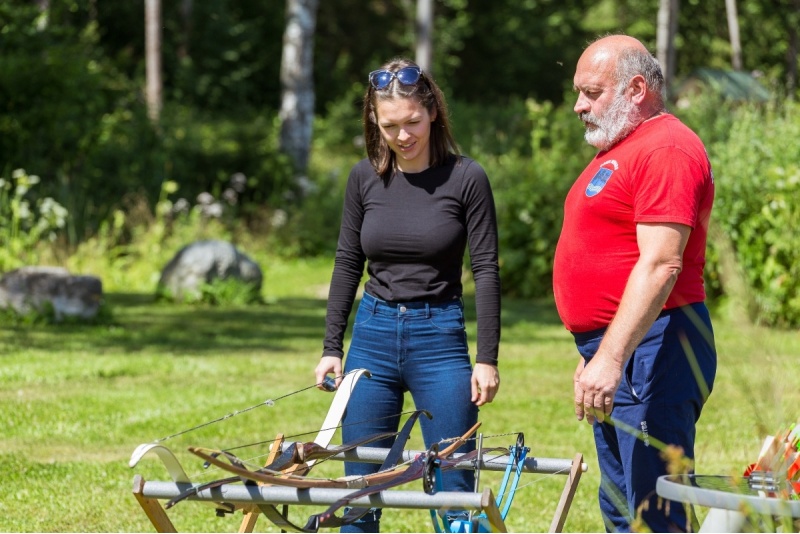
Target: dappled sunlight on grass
(76,400)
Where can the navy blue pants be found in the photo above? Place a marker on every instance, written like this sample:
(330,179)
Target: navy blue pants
(416,347)
(666,382)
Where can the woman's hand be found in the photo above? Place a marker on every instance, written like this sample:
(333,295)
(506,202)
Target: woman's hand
(326,365)
(485,383)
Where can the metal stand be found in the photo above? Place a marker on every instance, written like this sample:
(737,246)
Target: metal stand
(255,499)
(252,498)
(730,499)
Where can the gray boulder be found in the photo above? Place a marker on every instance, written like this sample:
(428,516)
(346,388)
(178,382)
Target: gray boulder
(33,288)
(203,262)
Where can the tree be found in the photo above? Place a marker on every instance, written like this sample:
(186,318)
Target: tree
(297,81)
(424,34)
(667,27)
(518,49)
(152,11)
(733,30)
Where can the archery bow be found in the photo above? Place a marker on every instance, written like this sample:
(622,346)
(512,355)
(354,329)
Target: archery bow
(323,438)
(294,455)
(236,466)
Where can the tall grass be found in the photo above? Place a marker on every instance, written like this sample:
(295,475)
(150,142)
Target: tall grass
(76,400)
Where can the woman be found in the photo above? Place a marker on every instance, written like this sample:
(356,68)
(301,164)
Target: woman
(410,209)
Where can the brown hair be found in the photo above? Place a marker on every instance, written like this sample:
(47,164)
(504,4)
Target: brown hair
(428,94)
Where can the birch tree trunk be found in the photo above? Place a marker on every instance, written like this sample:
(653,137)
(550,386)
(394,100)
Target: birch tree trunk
(425,34)
(733,31)
(665,40)
(297,81)
(152,17)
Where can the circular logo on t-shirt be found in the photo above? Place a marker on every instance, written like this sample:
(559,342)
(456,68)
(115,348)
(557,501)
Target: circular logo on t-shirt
(601,177)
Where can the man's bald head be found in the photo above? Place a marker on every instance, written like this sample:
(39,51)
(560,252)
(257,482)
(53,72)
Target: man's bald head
(619,86)
(623,57)
(613,45)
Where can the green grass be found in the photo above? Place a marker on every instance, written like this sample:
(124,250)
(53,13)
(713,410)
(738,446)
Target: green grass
(76,400)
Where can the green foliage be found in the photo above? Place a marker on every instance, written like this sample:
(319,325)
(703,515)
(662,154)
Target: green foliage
(30,317)
(529,194)
(222,292)
(219,55)
(218,292)
(46,315)
(25,223)
(149,238)
(202,151)
(491,130)
(81,125)
(767,31)
(708,114)
(523,49)
(55,87)
(757,178)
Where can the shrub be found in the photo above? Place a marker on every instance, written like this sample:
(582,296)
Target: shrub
(529,194)
(757,177)
(25,222)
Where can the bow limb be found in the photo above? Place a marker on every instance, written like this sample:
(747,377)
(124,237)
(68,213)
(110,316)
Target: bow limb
(444,453)
(338,406)
(269,476)
(293,459)
(166,456)
(276,478)
(323,439)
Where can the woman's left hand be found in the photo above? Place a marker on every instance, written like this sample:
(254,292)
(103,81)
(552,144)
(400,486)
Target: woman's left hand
(485,383)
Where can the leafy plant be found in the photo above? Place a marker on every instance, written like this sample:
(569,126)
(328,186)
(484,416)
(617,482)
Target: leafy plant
(230,291)
(529,193)
(758,183)
(25,222)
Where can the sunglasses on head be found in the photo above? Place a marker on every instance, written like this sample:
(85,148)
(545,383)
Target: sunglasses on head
(380,79)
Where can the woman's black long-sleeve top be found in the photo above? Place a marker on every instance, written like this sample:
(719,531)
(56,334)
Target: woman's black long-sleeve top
(412,231)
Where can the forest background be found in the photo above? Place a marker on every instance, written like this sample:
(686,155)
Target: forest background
(90,182)
(74,117)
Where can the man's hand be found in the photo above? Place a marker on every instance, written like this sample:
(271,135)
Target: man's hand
(328,364)
(485,383)
(595,384)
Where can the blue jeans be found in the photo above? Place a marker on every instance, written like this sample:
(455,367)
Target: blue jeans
(416,347)
(665,384)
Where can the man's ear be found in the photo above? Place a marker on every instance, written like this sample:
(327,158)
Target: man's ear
(638,89)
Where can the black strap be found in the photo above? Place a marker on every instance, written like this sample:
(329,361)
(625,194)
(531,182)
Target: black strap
(414,472)
(315,522)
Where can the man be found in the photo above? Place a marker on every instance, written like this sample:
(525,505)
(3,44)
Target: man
(628,280)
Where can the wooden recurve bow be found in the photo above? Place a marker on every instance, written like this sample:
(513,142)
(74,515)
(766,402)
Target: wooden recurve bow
(294,455)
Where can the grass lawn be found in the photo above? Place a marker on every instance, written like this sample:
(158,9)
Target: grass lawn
(76,400)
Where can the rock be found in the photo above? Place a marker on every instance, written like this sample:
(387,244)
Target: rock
(32,288)
(203,262)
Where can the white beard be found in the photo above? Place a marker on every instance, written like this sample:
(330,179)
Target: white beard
(612,126)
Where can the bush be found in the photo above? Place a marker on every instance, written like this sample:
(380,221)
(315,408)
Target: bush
(529,194)
(757,176)
(25,222)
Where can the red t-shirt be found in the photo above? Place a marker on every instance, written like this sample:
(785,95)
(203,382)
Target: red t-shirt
(660,173)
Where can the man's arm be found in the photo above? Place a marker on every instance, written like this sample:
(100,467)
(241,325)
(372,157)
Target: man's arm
(651,281)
